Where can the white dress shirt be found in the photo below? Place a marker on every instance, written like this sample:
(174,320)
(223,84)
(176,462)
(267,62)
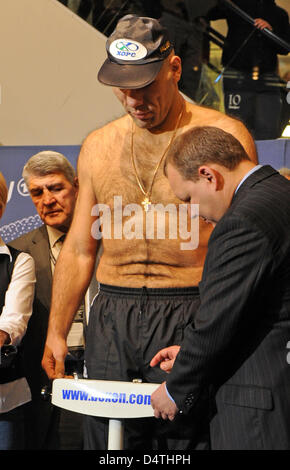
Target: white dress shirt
(14,319)
(76,334)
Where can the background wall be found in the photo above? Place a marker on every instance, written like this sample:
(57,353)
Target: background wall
(49,92)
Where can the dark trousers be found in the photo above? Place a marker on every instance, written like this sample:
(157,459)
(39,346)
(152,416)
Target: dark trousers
(127,327)
(12,434)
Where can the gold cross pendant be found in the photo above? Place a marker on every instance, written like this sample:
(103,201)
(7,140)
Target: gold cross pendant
(146,203)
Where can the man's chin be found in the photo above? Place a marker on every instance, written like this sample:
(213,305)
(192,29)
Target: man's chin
(55,221)
(143,122)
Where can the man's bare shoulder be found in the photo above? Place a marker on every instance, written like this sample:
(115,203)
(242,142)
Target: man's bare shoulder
(202,116)
(99,142)
(107,131)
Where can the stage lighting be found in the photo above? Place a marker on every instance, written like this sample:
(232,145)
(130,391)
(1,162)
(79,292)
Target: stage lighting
(286,132)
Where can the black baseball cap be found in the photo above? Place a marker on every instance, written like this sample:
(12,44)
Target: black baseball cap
(136,50)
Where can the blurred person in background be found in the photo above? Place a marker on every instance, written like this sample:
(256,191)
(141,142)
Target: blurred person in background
(250,62)
(53,187)
(17,281)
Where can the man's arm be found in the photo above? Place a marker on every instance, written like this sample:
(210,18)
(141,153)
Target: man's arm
(73,271)
(18,301)
(235,268)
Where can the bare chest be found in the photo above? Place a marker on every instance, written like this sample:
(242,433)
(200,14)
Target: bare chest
(132,174)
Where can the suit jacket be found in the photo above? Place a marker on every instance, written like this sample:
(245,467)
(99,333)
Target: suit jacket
(37,245)
(43,418)
(238,345)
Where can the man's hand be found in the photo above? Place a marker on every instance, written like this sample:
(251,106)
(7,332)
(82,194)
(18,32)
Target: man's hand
(165,358)
(162,405)
(53,358)
(262,24)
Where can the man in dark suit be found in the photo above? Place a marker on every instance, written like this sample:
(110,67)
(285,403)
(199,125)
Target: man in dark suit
(238,344)
(53,187)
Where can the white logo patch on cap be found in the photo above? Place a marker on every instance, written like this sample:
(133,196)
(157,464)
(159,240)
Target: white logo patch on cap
(127,49)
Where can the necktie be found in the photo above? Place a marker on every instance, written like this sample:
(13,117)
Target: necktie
(55,250)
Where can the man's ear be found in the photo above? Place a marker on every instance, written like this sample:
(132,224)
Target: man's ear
(212,176)
(76,183)
(175,65)
(206,172)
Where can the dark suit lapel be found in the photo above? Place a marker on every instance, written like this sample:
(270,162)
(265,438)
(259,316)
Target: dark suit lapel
(40,253)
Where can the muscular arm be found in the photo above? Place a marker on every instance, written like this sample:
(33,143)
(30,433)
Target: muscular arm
(73,271)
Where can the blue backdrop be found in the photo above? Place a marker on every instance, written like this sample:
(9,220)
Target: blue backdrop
(20,215)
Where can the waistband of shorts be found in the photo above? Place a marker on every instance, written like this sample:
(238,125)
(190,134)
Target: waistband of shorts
(154,292)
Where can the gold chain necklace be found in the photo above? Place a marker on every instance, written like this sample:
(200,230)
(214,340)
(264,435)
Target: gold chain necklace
(146,203)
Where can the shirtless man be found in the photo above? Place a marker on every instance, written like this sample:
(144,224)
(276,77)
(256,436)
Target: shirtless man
(148,282)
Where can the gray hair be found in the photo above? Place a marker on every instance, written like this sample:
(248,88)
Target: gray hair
(47,162)
(3,191)
(284,171)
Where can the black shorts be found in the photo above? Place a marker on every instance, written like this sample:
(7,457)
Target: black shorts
(127,327)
